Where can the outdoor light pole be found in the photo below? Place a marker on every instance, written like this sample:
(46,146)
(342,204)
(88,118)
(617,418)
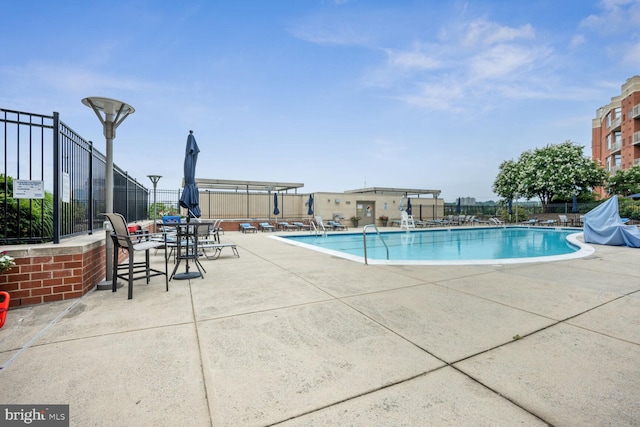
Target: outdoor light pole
(154,179)
(114,113)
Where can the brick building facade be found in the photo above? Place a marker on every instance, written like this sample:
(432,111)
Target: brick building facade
(615,140)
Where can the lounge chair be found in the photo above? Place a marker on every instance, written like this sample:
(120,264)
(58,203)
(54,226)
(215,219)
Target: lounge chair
(333,225)
(217,249)
(284,225)
(548,222)
(495,221)
(302,226)
(336,225)
(265,226)
(208,233)
(563,220)
(481,221)
(245,227)
(533,221)
(216,228)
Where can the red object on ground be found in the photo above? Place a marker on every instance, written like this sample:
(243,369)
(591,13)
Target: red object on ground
(4,306)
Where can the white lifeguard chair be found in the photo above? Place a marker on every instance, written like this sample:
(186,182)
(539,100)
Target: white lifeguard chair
(406,221)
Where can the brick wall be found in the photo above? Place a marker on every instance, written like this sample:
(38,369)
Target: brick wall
(47,273)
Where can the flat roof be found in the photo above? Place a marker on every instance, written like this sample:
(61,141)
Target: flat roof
(237,185)
(398,191)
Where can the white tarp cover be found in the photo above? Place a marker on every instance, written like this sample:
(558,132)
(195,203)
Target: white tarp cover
(603,226)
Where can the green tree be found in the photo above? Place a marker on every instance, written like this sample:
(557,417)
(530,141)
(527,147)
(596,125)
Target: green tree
(508,180)
(624,182)
(558,170)
(161,209)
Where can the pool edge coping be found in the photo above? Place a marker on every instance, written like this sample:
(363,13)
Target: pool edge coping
(584,250)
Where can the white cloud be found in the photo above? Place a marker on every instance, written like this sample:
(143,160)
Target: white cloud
(632,54)
(477,61)
(440,96)
(482,32)
(618,16)
(62,77)
(412,60)
(577,40)
(327,30)
(504,60)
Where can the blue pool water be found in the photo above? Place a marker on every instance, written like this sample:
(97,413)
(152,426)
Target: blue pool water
(458,246)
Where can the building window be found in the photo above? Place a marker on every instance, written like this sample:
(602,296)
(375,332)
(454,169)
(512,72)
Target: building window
(609,119)
(609,142)
(617,138)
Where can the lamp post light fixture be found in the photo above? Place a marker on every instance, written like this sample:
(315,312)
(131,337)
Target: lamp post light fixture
(154,179)
(114,113)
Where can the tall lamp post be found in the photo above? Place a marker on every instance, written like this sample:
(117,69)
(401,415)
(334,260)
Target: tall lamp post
(114,113)
(154,179)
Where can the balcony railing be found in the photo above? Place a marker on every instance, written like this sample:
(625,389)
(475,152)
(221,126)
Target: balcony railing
(615,147)
(636,138)
(636,162)
(635,112)
(616,123)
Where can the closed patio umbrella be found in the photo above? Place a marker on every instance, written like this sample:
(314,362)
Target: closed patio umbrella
(408,206)
(574,206)
(190,199)
(310,204)
(191,202)
(276,211)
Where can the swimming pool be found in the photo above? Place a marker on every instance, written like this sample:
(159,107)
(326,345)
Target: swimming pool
(475,245)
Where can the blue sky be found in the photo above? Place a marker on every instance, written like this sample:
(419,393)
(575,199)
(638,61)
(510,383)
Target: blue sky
(335,94)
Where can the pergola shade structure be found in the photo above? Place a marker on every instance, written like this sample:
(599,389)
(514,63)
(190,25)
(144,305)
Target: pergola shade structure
(239,185)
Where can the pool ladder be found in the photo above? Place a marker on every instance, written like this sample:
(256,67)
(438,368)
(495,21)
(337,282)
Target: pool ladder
(364,240)
(313,228)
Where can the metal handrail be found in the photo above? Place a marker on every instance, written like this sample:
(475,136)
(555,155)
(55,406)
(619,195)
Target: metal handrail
(364,240)
(315,228)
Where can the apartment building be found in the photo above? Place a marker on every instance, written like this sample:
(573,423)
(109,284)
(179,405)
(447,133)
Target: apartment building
(615,140)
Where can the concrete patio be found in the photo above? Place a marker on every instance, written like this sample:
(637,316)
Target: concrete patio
(288,336)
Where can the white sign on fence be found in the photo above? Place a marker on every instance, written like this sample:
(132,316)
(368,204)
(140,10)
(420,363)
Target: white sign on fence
(66,188)
(27,189)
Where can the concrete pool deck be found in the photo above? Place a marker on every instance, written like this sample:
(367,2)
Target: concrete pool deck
(289,336)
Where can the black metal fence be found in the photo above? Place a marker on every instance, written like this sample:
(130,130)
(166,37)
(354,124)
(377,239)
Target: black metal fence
(627,209)
(531,208)
(42,149)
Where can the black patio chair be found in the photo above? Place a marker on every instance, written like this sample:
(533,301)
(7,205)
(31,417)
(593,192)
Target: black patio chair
(132,243)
